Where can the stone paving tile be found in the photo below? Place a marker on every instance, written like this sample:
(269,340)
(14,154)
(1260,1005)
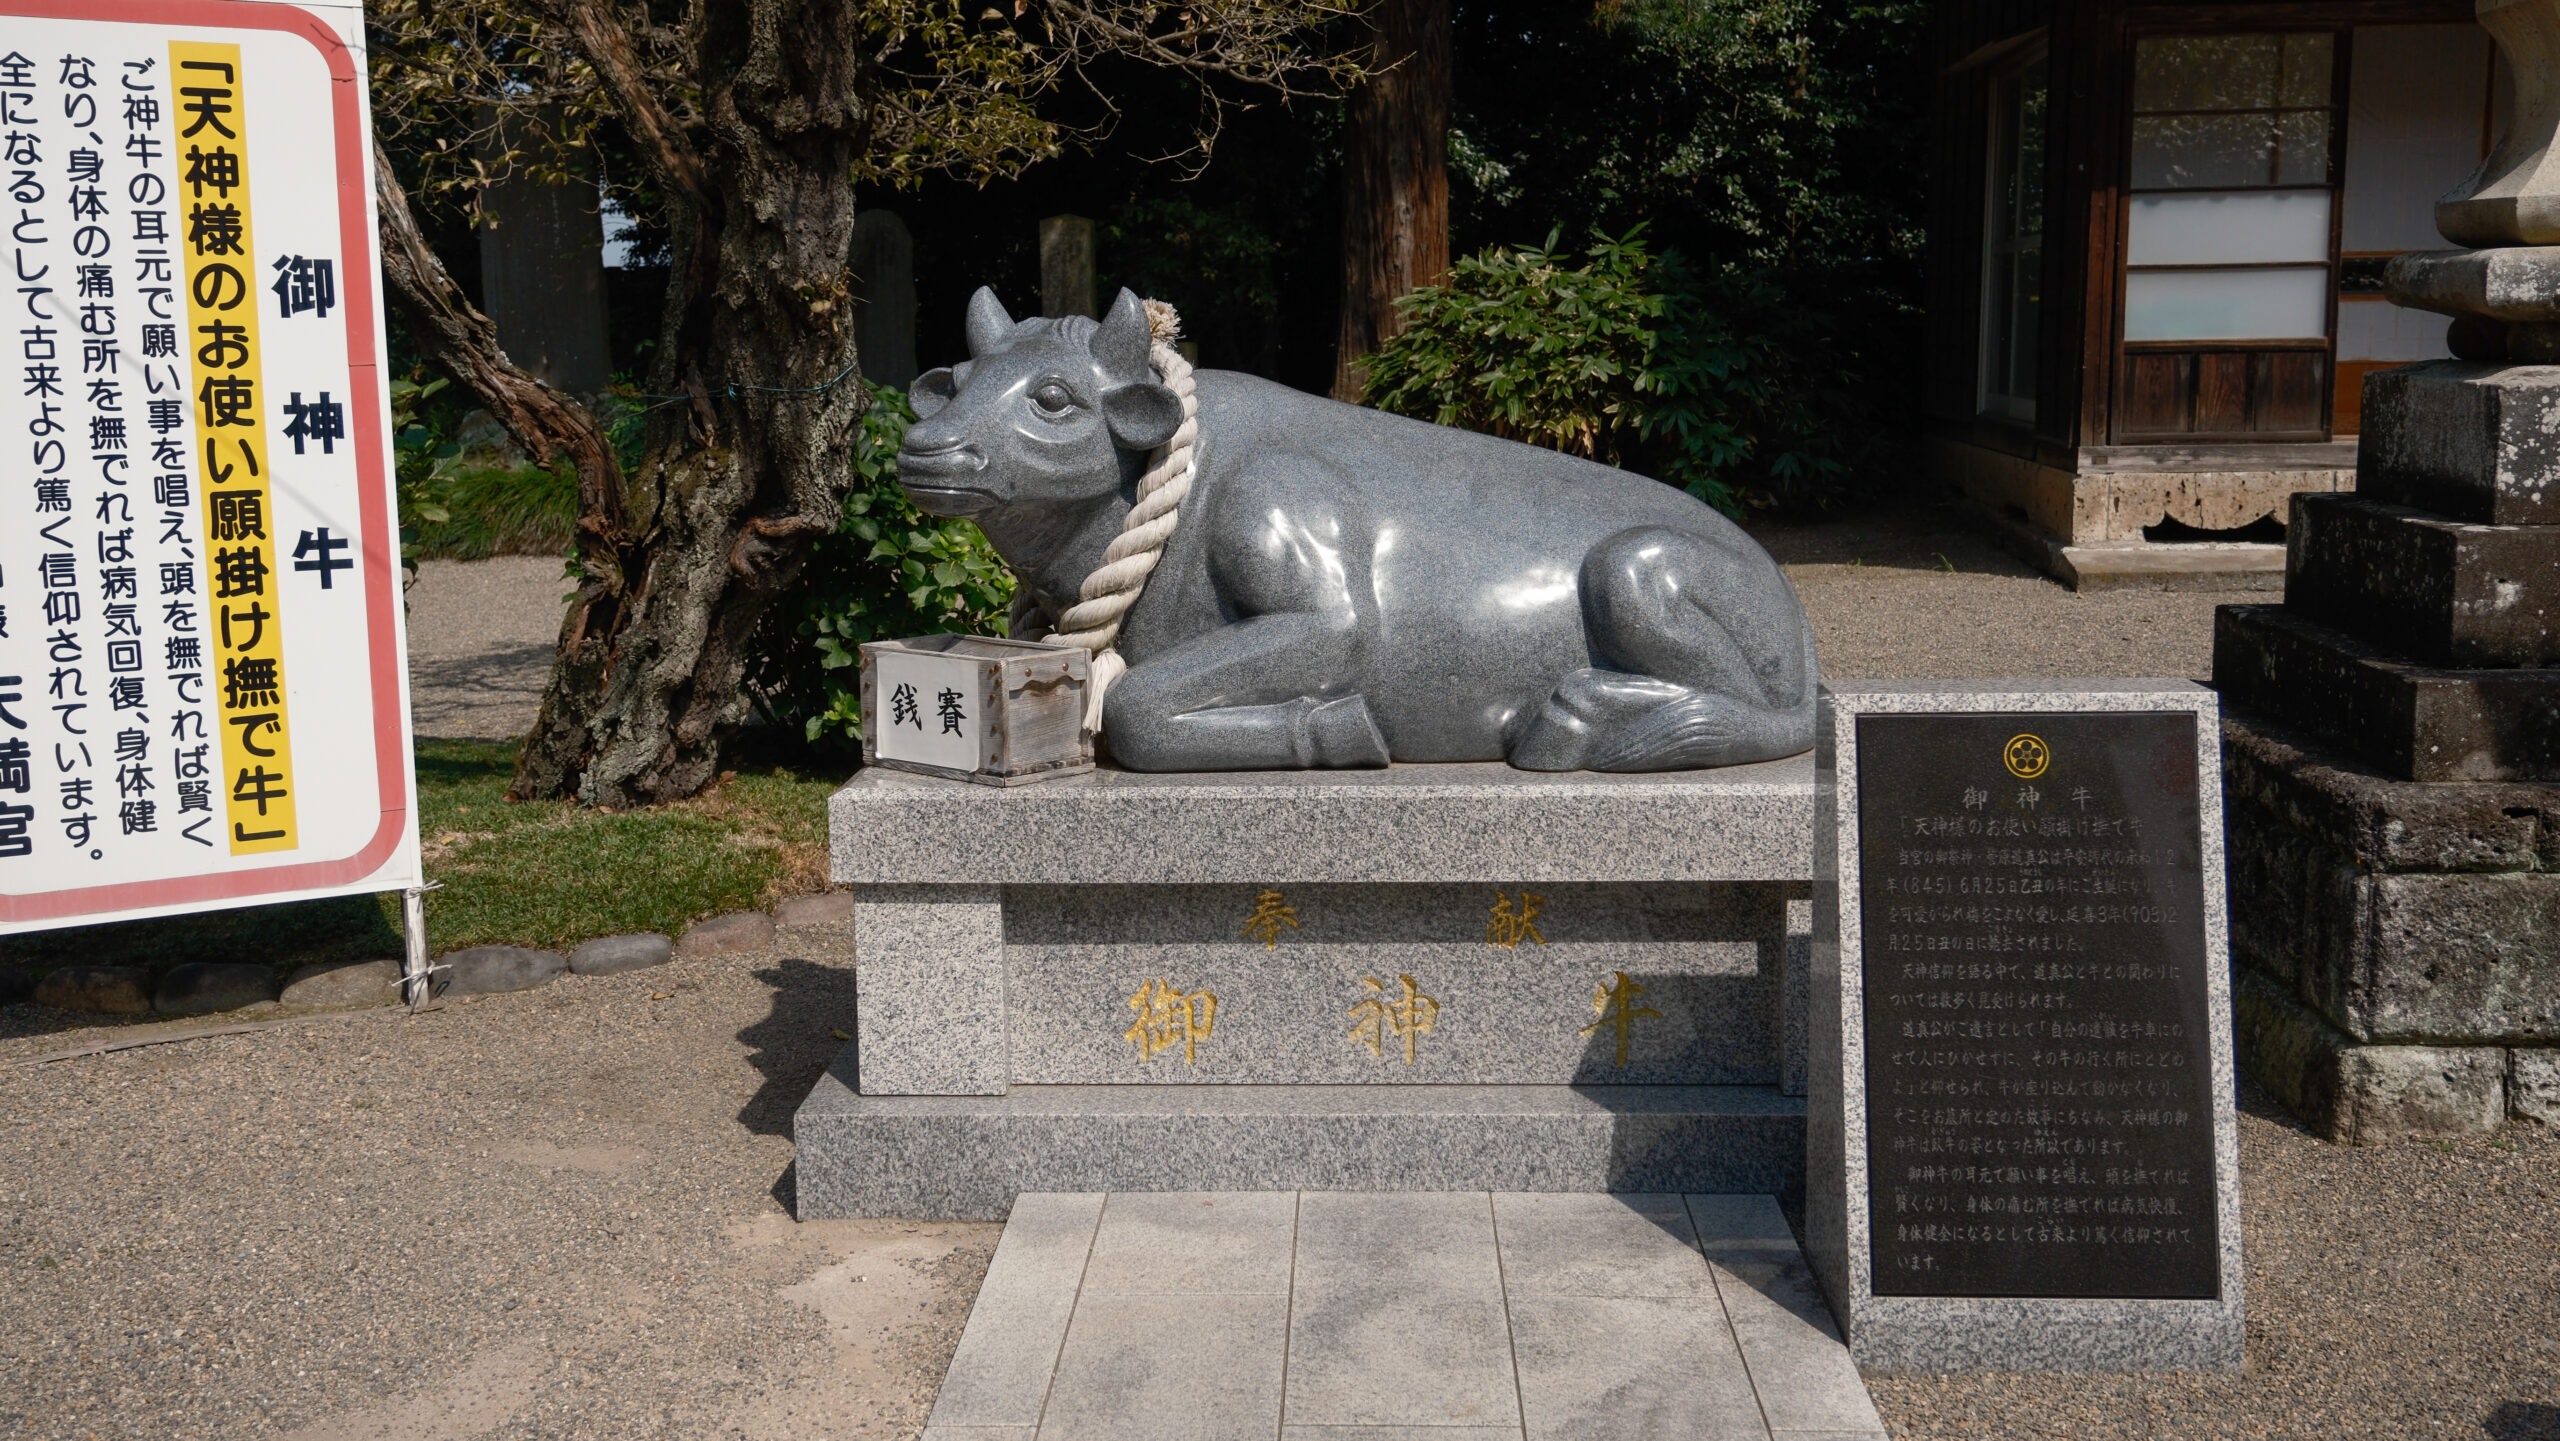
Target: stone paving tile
(1397,1433)
(1345,1316)
(1194,1243)
(1384,1358)
(1606,1368)
(1170,1368)
(1573,1244)
(1808,1386)
(1000,1375)
(1398,1243)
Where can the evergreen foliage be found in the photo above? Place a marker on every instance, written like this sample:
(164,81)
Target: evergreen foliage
(1622,359)
(1772,145)
(889,571)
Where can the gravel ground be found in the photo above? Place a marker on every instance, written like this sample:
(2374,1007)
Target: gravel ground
(566,1213)
(561,1213)
(481,637)
(1884,604)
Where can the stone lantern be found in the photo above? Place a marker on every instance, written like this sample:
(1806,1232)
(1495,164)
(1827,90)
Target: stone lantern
(2393,739)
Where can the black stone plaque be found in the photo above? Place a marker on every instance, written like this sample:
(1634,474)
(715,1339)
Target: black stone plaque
(2038,1068)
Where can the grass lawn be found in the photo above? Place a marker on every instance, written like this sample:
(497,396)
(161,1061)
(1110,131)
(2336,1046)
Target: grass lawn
(543,873)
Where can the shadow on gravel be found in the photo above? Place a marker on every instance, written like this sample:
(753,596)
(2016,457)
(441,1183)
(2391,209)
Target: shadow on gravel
(283,937)
(1906,536)
(2255,1100)
(2523,1421)
(796,1039)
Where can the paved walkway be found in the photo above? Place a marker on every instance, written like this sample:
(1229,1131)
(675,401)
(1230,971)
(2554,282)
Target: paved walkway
(1347,1316)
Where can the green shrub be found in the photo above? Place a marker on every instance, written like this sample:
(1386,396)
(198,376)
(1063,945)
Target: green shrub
(888,572)
(1628,358)
(496,510)
(1777,146)
(453,510)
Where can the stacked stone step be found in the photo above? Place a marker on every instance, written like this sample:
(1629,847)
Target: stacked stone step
(2420,628)
(2393,739)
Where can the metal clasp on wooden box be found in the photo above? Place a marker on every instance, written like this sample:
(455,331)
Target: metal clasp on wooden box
(976,708)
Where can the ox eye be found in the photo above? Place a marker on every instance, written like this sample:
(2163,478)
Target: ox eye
(1053,398)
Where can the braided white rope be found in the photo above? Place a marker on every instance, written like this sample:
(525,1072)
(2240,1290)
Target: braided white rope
(1106,595)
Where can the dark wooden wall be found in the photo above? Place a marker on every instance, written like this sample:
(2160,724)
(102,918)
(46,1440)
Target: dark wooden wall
(1969,35)
(2080,385)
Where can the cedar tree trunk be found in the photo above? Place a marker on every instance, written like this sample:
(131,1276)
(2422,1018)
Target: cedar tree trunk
(1395,181)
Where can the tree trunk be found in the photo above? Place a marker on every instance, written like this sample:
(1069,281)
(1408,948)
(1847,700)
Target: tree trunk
(755,459)
(462,341)
(1395,181)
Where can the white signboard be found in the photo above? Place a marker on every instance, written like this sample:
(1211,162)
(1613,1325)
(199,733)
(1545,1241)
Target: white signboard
(203,695)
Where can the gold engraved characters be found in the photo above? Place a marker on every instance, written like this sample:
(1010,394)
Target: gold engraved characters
(1615,1000)
(1270,917)
(1507,928)
(1407,1017)
(1167,1017)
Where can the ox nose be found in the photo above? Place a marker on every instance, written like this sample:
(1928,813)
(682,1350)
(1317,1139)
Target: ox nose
(957,458)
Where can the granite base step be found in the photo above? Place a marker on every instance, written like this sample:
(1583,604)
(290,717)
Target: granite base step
(2415,722)
(967,1157)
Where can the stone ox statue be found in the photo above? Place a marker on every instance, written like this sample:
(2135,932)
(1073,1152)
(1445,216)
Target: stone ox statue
(1347,587)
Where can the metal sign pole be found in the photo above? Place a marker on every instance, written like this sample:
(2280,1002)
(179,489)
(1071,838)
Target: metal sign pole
(417,978)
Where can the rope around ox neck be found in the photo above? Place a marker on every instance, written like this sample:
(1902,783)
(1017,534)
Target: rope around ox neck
(1106,595)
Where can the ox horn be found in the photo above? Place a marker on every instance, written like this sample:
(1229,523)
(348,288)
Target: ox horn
(1120,342)
(989,326)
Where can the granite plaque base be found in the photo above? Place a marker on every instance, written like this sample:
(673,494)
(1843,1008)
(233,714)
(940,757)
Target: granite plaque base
(2021,1150)
(1424,977)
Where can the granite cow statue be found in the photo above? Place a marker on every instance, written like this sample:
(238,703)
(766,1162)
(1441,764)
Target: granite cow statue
(1348,587)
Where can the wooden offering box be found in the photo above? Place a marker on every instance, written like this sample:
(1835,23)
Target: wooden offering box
(975,708)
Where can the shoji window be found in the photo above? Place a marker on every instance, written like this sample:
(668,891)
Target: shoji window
(2230,237)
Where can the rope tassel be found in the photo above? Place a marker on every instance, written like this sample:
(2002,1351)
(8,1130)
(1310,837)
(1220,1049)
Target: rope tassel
(1115,585)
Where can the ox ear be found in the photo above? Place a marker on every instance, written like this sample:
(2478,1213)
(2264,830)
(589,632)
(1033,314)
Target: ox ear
(1119,343)
(931,391)
(1141,417)
(990,328)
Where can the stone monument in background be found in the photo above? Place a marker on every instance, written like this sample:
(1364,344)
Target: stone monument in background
(542,279)
(1068,268)
(2394,725)
(884,298)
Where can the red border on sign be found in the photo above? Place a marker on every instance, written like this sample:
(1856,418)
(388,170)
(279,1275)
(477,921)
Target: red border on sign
(355,241)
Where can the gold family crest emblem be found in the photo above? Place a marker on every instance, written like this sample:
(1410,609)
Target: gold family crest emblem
(2026,755)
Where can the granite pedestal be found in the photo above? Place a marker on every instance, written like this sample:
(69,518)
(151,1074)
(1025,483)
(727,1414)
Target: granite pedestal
(1426,977)
(2021,1148)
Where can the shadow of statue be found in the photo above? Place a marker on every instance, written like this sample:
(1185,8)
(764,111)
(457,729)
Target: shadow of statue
(2523,1421)
(809,1018)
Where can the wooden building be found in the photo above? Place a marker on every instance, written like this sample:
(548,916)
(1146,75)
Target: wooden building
(2156,249)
